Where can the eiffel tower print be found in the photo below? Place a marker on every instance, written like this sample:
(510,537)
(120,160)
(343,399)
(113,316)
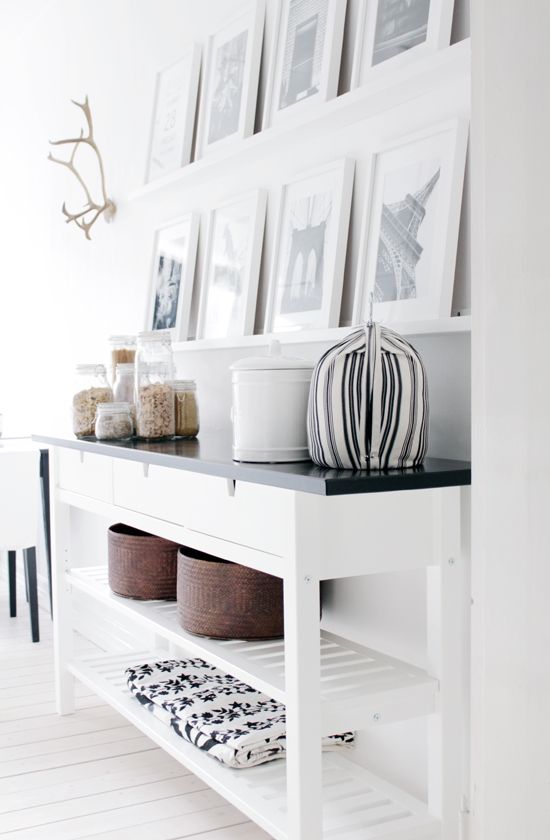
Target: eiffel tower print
(399,250)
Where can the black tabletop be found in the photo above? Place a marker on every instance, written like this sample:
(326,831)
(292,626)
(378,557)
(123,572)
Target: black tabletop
(211,455)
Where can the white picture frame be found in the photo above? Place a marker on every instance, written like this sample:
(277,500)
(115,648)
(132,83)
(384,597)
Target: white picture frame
(172,276)
(383,44)
(409,235)
(307,272)
(305,58)
(231,266)
(230,80)
(173,116)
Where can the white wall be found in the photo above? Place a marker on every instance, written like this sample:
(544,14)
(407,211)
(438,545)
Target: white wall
(61,296)
(511,410)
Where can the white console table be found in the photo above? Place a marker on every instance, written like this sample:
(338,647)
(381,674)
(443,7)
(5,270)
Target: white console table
(305,525)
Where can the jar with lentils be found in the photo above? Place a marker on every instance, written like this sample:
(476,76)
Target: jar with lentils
(186,408)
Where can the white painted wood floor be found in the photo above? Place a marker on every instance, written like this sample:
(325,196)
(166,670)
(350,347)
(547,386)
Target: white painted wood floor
(90,774)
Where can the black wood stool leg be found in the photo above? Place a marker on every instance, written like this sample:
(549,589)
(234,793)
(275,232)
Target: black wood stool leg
(12,581)
(30,574)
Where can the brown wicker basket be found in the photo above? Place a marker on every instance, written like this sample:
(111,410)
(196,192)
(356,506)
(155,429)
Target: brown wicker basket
(224,600)
(141,566)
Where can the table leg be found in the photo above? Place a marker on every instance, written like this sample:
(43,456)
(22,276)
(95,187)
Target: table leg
(62,607)
(45,483)
(303,702)
(30,576)
(448,601)
(12,581)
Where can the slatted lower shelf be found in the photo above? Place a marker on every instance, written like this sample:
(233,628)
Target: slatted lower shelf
(359,687)
(356,804)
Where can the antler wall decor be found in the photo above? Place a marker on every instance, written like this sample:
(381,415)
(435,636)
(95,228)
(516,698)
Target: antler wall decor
(87,217)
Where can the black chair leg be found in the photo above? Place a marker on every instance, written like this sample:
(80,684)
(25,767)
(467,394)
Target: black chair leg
(30,574)
(45,480)
(12,581)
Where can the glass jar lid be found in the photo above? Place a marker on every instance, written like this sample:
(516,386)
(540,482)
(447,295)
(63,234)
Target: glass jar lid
(114,408)
(97,370)
(155,335)
(184,385)
(125,340)
(158,367)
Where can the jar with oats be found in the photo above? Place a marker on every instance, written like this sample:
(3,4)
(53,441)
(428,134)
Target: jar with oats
(186,408)
(91,389)
(154,391)
(123,351)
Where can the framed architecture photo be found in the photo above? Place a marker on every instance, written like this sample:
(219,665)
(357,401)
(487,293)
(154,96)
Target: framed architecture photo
(230,80)
(390,33)
(174,115)
(172,276)
(310,249)
(407,251)
(232,267)
(306,55)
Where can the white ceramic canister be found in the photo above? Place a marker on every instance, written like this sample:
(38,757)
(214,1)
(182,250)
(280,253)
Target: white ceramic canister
(269,412)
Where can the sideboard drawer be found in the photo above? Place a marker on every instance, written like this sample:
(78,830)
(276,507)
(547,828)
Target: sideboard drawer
(85,473)
(156,491)
(248,514)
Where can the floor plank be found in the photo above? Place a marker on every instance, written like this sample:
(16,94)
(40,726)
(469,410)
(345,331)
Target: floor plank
(90,774)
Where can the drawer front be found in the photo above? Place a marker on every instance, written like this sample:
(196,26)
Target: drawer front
(248,514)
(85,473)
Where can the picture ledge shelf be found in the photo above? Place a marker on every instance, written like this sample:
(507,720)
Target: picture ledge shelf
(383,93)
(437,326)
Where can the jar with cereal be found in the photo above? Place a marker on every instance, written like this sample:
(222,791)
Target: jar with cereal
(90,390)
(154,391)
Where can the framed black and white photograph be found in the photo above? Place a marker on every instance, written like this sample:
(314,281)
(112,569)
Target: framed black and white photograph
(306,57)
(230,84)
(310,249)
(390,33)
(410,229)
(173,272)
(174,115)
(232,267)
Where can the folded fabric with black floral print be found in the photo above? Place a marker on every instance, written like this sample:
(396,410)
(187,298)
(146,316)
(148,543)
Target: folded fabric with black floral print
(230,720)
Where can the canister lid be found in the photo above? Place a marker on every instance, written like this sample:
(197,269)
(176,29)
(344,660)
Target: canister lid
(273,361)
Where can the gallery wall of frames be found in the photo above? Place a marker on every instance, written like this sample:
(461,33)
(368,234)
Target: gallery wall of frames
(240,276)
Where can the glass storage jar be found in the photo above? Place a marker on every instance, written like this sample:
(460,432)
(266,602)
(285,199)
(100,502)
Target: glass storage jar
(123,351)
(114,421)
(123,389)
(91,389)
(186,408)
(154,391)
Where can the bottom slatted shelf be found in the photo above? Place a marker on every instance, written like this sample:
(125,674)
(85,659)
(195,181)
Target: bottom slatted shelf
(356,804)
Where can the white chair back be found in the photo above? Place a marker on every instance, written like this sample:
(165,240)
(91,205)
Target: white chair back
(19,496)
